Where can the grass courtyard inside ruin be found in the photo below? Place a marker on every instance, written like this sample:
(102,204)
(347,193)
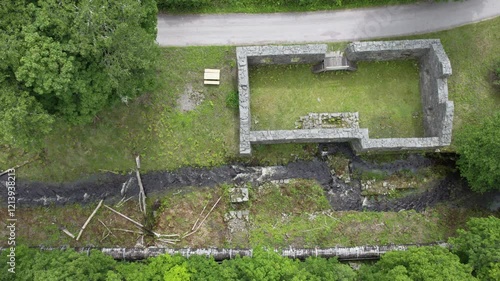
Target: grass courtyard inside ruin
(386,95)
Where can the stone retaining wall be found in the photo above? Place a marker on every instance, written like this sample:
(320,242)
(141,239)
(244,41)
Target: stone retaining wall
(435,68)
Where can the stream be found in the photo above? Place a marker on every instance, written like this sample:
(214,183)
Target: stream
(341,195)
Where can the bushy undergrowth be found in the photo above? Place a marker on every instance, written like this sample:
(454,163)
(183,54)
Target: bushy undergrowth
(257,6)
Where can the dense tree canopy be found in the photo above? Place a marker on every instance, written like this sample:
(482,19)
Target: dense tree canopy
(37,265)
(32,264)
(426,263)
(23,121)
(479,246)
(479,149)
(70,59)
(262,266)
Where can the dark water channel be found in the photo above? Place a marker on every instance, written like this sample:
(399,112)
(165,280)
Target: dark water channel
(342,196)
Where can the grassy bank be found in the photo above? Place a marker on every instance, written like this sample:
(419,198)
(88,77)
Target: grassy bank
(167,138)
(295,214)
(268,6)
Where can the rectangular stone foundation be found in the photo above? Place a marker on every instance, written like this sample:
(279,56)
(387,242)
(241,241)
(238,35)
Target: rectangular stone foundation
(435,68)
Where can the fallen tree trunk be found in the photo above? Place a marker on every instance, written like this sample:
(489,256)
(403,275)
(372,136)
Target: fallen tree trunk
(342,253)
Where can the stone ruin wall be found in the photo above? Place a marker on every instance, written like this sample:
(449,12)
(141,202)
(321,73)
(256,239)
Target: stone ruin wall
(267,55)
(435,68)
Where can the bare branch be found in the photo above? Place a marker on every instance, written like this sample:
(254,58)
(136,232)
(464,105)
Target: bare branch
(106,236)
(142,194)
(166,241)
(122,202)
(124,216)
(88,220)
(199,216)
(138,161)
(129,231)
(107,228)
(19,166)
(201,223)
(67,232)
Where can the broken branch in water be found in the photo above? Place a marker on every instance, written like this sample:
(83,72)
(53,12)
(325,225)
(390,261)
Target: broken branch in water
(142,193)
(122,202)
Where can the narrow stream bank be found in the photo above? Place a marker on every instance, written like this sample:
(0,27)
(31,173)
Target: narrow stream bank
(343,195)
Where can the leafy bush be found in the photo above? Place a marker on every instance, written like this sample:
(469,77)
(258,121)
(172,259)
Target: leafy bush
(269,5)
(479,148)
(32,264)
(425,263)
(181,5)
(264,265)
(479,246)
(23,121)
(71,60)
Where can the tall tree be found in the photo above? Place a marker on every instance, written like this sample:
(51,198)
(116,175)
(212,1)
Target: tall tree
(479,149)
(72,59)
(479,246)
(23,121)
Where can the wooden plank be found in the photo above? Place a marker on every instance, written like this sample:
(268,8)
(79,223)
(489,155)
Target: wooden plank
(211,76)
(209,70)
(209,82)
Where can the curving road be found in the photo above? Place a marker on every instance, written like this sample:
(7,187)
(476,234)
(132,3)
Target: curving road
(343,25)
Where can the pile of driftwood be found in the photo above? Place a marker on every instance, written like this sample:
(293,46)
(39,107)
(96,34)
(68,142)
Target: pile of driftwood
(142,230)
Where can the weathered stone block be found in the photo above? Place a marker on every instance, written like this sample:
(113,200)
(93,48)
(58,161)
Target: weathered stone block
(238,195)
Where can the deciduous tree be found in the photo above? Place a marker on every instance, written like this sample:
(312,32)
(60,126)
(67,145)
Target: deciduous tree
(479,148)
(479,246)
(71,59)
(425,263)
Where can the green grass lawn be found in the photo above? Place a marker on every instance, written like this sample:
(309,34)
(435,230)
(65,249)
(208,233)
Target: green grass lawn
(167,138)
(151,126)
(386,95)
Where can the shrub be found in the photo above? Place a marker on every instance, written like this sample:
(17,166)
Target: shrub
(425,263)
(479,246)
(478,147)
